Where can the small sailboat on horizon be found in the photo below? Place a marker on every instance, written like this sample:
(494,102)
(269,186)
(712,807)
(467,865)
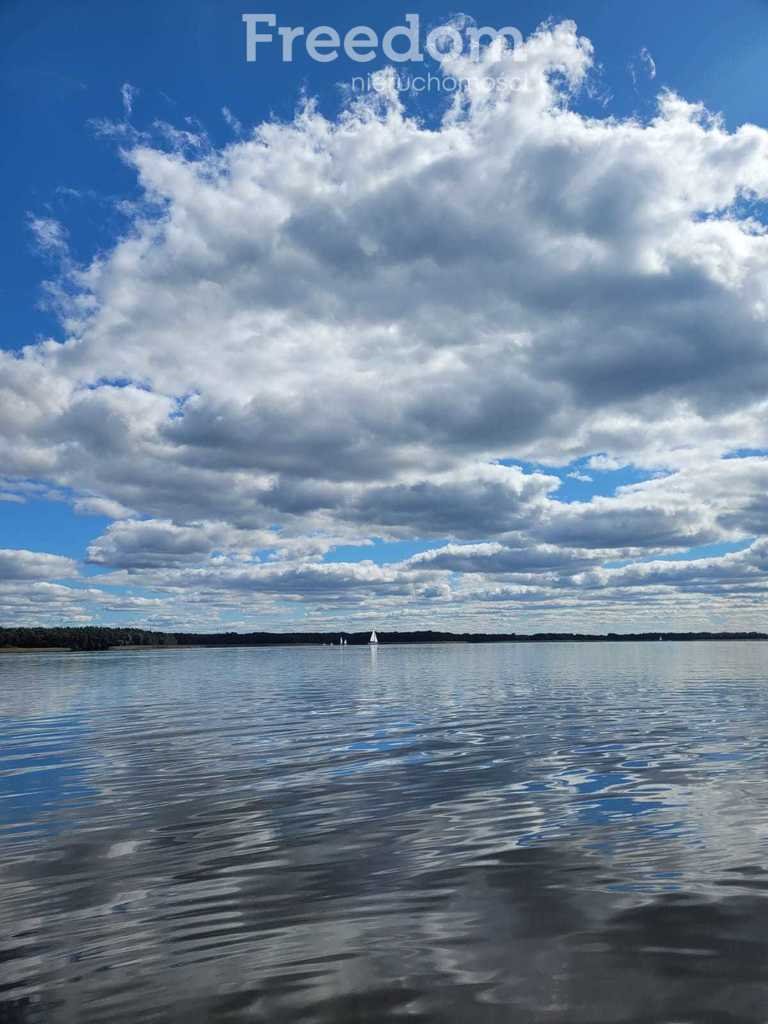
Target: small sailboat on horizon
(374,639)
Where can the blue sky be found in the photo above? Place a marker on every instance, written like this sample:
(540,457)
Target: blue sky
(86,92)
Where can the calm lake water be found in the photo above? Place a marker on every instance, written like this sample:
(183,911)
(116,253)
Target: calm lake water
(564,832)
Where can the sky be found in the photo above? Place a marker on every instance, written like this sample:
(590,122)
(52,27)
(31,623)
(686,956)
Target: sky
(287,347)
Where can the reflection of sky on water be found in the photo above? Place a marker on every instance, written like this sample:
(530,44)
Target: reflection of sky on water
(42,773)
(459,817)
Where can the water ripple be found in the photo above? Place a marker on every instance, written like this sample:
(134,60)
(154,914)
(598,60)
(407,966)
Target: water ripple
(570,833)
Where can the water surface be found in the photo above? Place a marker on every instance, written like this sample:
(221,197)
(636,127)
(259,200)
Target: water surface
(507,833)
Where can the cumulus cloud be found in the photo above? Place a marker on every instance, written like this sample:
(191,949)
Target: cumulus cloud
(332,330)
(138,544)
(30,565)
(476,502)
(744,570)
(498,558)
(92,506)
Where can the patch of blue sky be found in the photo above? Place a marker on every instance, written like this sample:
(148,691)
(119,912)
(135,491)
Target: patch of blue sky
(579,482)
(48,526)
(118,382)
(746,453)
(747,207)
(382,552)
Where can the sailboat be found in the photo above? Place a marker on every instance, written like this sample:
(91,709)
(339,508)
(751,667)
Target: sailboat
(374,639)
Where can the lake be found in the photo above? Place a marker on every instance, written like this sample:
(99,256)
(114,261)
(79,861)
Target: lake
(502,833)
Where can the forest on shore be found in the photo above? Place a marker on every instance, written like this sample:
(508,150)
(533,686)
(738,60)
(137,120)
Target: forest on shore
(103,638)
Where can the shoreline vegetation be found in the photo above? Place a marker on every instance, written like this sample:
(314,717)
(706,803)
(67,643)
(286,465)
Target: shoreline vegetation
(25,639)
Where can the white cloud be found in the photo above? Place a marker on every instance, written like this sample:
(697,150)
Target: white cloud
(646,63)
(649,62)
(334,330)
(92,506)
(137,544)
(50,235)
(31,565)
(128,94)
(232,121)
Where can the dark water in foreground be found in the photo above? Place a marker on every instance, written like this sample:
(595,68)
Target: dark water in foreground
(572,833)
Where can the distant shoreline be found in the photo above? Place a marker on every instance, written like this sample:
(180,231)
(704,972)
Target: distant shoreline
(26,640)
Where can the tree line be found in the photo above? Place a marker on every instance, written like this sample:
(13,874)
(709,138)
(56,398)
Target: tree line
(103,638)
(82,638)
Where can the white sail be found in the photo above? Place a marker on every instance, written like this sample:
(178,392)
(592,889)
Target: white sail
(374,639)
